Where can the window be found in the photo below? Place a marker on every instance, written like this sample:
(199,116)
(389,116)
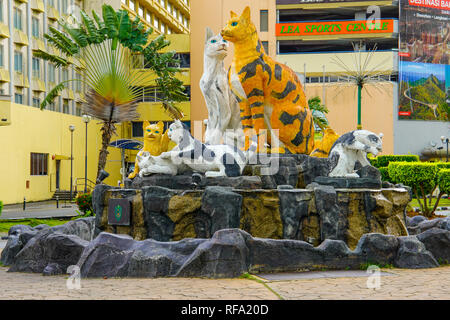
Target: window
(124,2)
(265,46)
(264,21)
(1,55)
(163,3)
(78,109)
(38,164)
(36,102)
(1,10)
(169,7)
(185,60)
(36,68)
(163,28)
(17,18)
(51,3)
(51,106)
(156,23)
(18,66)
(131,5)
(141,11)
(64,6)
(18,98)
(35,27)
(51,73)
(136,129)
(78,83)
(65,75)
(66,106)
(148,17)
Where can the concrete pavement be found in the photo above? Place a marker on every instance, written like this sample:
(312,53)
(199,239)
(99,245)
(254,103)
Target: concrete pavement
(42,209)
(423,284)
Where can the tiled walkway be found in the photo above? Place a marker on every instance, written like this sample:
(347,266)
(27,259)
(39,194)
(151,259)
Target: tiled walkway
(403,284)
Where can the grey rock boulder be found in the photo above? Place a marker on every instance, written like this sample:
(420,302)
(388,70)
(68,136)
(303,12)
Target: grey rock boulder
(223,206)
(412,254)
(15,243)
(416,220)
(48,247)
(437,241)
(223,256)
(377,248)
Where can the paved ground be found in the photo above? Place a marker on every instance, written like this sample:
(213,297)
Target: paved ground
(42,209)
(402,284)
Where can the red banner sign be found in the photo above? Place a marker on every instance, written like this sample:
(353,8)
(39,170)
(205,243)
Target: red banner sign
(436,4)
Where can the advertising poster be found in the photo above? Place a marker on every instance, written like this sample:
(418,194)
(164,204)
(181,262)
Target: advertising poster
(424,78)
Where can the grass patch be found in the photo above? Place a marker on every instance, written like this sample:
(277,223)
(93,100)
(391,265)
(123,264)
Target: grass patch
(6,224)
(442,203)
(365,266)
(248,276)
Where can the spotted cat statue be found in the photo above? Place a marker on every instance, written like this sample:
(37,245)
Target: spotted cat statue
(353,147)
(270,94)
(223,123)
(213,160)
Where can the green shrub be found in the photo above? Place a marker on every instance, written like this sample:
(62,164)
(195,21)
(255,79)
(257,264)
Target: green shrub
(1,206)
(443,165)
(443,180)
(420,176)
(383,161)
(84,202)
(373,162)
(385,174)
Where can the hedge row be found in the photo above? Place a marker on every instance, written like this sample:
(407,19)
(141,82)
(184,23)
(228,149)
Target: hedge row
(417,175)
(383,161)
(443,180)
(1,206)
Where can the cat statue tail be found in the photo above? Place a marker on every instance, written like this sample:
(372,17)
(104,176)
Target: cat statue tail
(251,151)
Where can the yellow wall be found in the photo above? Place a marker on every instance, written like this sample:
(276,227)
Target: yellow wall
(377,109)
(33,130)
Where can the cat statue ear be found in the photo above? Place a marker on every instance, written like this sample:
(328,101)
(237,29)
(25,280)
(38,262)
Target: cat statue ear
(233,14)
(145,124)
(209,34)
(160,125)
(381,135)
(246,14)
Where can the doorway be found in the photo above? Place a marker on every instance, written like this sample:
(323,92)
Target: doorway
(58,166)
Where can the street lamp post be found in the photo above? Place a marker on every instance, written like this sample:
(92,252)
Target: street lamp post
(72,129)
(86,120)
(446,141)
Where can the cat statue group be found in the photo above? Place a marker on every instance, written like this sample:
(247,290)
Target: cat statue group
(258,106)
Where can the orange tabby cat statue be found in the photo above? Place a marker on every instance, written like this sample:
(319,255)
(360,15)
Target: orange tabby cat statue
(270,94)
(155,142)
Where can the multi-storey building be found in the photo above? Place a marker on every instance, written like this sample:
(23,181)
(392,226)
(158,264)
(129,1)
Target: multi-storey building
(36,145)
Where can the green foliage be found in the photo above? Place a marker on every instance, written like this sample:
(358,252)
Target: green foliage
(373,162)
(84,202)
(443,180)
(443,165)
(1,206)
(319,111)
(385,174)
(383,161)
(421,177)
(366,265)
(417,175)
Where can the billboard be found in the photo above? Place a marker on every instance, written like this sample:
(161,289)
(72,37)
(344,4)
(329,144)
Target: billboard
(424,59)
(293,2)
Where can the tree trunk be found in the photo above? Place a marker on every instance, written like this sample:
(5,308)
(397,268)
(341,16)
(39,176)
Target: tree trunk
(108,130)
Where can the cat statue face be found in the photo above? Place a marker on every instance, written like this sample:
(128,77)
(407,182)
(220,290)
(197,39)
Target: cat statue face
(177,132)
(153,132)
(215,46)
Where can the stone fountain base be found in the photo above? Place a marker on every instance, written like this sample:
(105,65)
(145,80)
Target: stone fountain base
(298,202)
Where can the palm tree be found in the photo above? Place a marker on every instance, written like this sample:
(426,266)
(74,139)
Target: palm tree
(361,73)
(105,52)
(319,112)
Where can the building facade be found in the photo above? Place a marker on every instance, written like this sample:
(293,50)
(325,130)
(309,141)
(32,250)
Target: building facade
(36,145)
(315,38)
